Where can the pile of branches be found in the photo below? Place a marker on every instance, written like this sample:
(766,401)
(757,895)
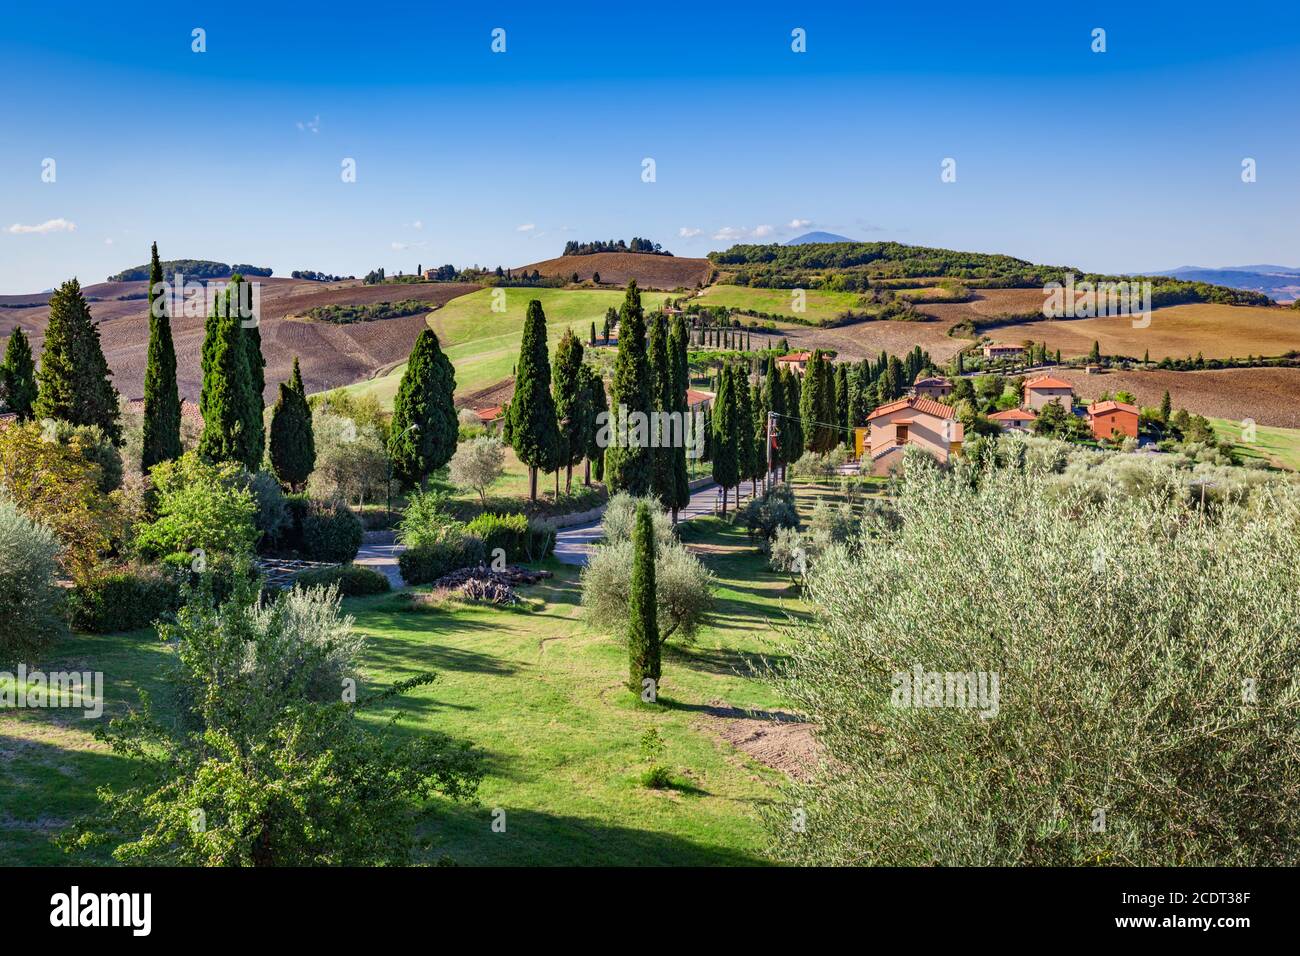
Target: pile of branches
(483,583)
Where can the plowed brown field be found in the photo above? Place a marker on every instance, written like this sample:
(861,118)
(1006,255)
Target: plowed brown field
(650,272)
(329,354)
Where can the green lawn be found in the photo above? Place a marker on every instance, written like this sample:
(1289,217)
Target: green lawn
(538,692)
(821,306)
(1278,446)
(484,345)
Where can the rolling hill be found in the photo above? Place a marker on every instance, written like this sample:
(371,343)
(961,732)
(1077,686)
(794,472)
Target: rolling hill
(1281,283)
(615,268)
(330,355)
(811,237)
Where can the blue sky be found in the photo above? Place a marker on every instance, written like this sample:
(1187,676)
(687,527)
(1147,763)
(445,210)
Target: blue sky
(1123,161)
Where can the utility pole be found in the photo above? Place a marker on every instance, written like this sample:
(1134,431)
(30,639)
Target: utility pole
(771,430)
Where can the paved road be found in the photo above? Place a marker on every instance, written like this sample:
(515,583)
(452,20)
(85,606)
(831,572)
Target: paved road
(573,545)
(379,551)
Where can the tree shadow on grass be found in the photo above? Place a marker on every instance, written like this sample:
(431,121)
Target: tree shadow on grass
(724,660)
(531,838)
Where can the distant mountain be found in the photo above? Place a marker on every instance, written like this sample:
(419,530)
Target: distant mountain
(808,237)
(1280,283)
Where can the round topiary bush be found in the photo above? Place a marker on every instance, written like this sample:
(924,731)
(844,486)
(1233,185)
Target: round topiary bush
(331,532)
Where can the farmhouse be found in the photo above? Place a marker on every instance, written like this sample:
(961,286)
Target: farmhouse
(999,351)
(1039,391)
(490,417)
(932,386)
(796,362)
(698,399)
(1107,418)
(1014,419)
(917,421)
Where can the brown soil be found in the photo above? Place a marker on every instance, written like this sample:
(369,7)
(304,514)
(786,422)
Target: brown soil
(330,355)
(1271,396)
(615,268)
(776,738)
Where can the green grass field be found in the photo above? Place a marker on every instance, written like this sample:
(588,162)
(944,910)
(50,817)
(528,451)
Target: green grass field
(484,345)
(539,693)
(821,306)
(1279,446)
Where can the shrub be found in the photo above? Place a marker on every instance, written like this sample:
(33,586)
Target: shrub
(477,463)
(428,562)
(427,521)
(540,542)
(31,600)
(508,532)
(351,458)
(765,515)
(683,589)
(271,516)
(813,465)
(352,580)
(124,600)
(55,486)
(200,506)
(215,573)
(331,532)
(1148,667)
(620,519)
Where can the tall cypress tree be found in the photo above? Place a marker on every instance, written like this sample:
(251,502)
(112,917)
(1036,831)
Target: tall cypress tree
(533,431)
(841,402)
(424,431)
(224,397)
(293,444)
(774,400)
(73,380)
(745,455)
(630,467)
(792,438)
(661,377)
(642,608)
(19,376)
(679,374)
(162,399)
(593,387)
(570,405)
(255,397)
(726,433)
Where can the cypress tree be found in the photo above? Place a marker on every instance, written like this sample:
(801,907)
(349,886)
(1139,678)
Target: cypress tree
(726,430)
(1166,407)
(570,405)
(792,427)
(630,467)
(162,399)
(19,375)
(424,431)
(643,621)
(593,387)
(593,334)
(759,419)
(255,397)
(745,454)
(293,445)
(679,370)
(842,402)
(230,431)
(73,380)
(661,378)
(534,434)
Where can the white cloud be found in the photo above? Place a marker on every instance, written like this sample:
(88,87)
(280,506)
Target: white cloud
(687,233)
(800,223)
(50,225)
(526,227)
(741,233)
(399,246)
(418,224)
(311,126)
(108,242)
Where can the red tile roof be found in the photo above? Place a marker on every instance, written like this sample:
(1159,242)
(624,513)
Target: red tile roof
(923,379)
(1101,408)
(696,397)
(1046,381)
(926,406)
(489,414)
(795,357)
(1012,415)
